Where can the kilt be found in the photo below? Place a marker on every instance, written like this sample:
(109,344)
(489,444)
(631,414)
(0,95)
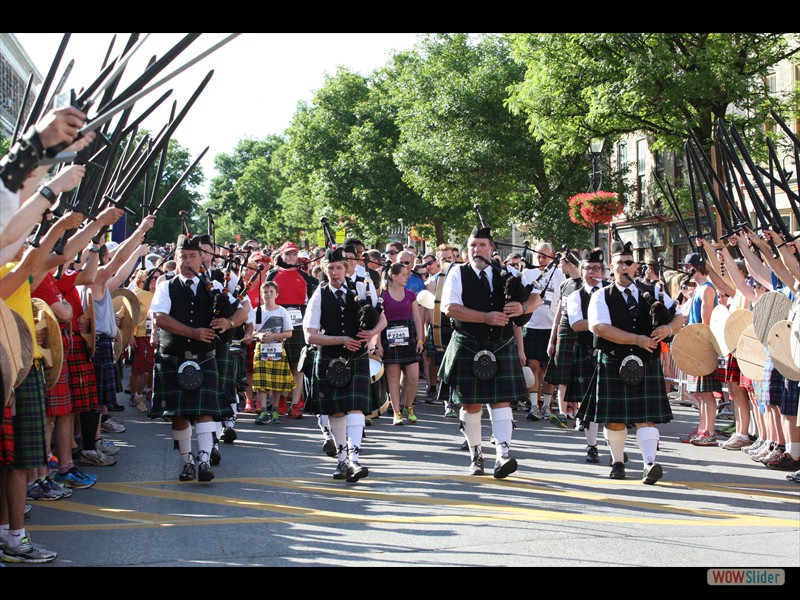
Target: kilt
(704,383)
(226,379)
(535,343)
(559,366)
(434,354)
(251,353)
(789,399)
(168,395)
(6,438)
(58,400)
(30,448)
(272,375)
(616,402)
(105,370)
(238,354)
(730,373)
(144,356)
(82,380)
(772,384)
(294,345)
(579,386)
(508,385)
(401,355)
(325,399)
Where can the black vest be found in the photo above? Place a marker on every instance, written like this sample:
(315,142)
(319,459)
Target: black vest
(474,296)
(194,310)
(567,287)
(585,337)
(622,318)
(334,320)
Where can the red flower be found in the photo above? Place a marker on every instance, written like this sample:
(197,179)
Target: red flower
(594,207)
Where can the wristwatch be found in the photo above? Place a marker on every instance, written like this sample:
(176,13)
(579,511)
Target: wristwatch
(94,248)
(48,193)
(524,308)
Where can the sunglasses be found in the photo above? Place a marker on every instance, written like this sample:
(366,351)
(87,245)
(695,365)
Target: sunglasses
(405,262)
(627,263)
(392,252)
(515,265)
(429,263)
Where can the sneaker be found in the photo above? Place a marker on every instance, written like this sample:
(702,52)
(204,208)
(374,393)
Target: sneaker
(27,552)
(652,473)
(794,477)
(54,487)
(450,411)
(504,466)
(754,447)
(274,419)
(705,439)
(295,412)
(189,473)
(412,417)
(249,408)
(38,491)
(737,442)
(282,409)
(140,404)
(773,455)
(75,479)
(766,449)
(687,438)
(476,465)
(559,421)
(107,447)
(534,415)
(784,462)
(229,435)
(546,414)
(617,471)
(204,472)
(398,419)
(95,458)
(111,425)
(592,455)
(263,419)
(52,462)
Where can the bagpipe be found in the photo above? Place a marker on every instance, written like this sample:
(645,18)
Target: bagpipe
(513,288)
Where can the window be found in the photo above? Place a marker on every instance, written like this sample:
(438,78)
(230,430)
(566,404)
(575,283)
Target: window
(622,157)
(677,173)
(641,173)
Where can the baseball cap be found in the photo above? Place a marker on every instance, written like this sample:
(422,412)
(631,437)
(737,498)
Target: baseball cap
(303,256)
(259,257)
(288,247)
(695,259)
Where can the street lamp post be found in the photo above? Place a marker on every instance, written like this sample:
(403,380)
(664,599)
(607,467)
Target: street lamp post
(596,177)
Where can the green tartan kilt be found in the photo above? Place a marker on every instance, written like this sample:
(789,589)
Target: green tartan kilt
(272,375)
(580,386)
(294,345)
(456,370)
(169,396)
(616,402)
(226,373)
(559,366)
(325,399)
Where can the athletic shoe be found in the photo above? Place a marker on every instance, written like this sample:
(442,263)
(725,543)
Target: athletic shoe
(784,462)
(652,473)
(249,408)
(450,411)
(774,455)
(737,442)
(546,414)
(75,479)
(412,417)
(704,439)
(754,447)
(263,419)
(229,435)
(398,419)
(27,552)
(52,462)
(534,414)
(107,447)
(51,485)
(111,425)
(274,419)
(559,421)
(765,450)
(794,477)
(687,438)
(592,455)
(95,458)
(140,405)
(504,466)
(295,412)
(282,408)
(38,491)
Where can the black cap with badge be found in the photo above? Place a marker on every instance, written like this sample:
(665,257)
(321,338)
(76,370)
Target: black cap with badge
(595,255)
(188,243)
(620,248)
(334,255)
(481,232)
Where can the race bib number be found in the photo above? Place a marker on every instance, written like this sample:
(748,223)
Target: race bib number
(296,316)
(271,351)
(148,326)
(398,336)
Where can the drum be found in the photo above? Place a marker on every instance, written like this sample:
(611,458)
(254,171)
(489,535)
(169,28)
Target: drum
(375,367)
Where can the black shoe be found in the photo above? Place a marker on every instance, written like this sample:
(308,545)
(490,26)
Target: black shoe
(329,447)
(592,454)
(216,457)
(188,473)
(465,445)
(617,471)
(504,466)
(229,435)
(652,473)
(624,458)
(204,472)
(356,472)
(341,470)
(116,407)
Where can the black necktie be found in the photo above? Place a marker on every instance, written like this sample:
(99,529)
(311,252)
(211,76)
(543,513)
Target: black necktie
(632,306)
(485,281)
(340,296)
(594,289)
(189,285)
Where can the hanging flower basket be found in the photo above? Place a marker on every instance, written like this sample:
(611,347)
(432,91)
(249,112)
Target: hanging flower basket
(575,211)
(595,207)
(419,233)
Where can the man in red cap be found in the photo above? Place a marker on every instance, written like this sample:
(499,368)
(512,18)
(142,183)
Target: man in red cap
(296,287)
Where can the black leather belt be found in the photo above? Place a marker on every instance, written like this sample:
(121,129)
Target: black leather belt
(188,355)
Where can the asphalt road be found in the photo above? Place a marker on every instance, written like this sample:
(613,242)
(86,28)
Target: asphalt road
(274,503)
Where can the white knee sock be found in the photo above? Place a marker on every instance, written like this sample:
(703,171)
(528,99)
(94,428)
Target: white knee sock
(183,438)
(205,439)
(616,443)
(324,424)
(502,428)
(591,433)
(648,443)
(339,431)
(793,449)
(355,429)
(472,427)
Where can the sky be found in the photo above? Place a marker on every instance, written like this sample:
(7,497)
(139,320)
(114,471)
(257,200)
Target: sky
(258,80)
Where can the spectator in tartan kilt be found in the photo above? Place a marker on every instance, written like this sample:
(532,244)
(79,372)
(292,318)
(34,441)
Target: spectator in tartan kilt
(144,355)
(332,324)
(561,346)
(619,317)
(473,296)
(272,376)
(183,308)
(580,389)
